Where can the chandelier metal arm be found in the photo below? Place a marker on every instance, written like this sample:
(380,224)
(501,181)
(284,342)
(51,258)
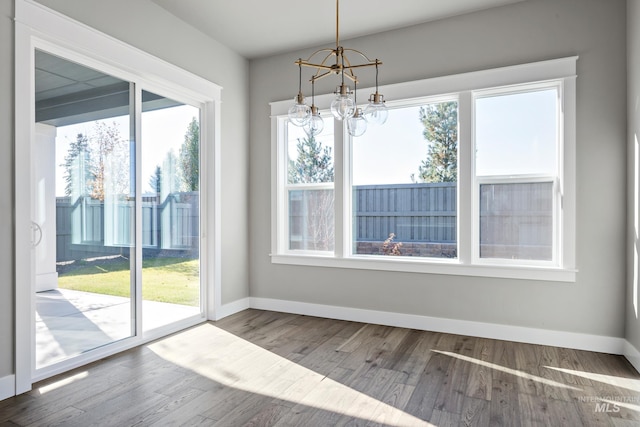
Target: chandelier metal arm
(335,52)
(339,68)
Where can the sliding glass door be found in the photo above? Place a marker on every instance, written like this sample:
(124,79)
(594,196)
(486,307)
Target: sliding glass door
(116,211)
(84,218)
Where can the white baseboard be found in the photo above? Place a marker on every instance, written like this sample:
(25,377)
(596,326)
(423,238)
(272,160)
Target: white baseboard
(7,387)
(632,354)
(573,340)
(232,308)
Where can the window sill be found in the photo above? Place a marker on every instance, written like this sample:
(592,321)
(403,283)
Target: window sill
(435,266)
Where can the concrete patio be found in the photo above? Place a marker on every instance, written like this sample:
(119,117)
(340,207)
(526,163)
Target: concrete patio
(70,322)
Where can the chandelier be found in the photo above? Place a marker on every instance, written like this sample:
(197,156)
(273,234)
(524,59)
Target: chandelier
(334,61)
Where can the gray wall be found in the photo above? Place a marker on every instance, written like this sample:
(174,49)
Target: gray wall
(524,32)
(632,331)
(144,25)
(6,188)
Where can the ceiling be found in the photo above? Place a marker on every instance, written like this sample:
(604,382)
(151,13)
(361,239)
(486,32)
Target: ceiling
(68,93)
(257,28)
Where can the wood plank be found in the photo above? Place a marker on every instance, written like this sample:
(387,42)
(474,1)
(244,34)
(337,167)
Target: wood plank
(527,362)
(63,417)
(479,383)
(503,410)
(451,394)
(475,413)
(394,399)
(423,399)
(548,360)
(533,410)
(445,419)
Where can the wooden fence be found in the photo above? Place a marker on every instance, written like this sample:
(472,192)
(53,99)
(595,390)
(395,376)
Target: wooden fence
(516,219)
(84,230)
(413,212)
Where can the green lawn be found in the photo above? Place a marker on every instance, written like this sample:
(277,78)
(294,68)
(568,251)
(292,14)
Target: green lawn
(173,280)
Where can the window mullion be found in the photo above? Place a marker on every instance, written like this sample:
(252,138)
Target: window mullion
(341,188)
(466,235)
(136,173)
(281,220)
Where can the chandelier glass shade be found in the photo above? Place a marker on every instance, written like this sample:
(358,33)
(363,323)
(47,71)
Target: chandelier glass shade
(357,124)
(299,113)
(376,112)
(335,62)
(343,105)
(314,124)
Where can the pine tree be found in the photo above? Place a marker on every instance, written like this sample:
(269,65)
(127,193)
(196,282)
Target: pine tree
(190,157)
(155,180)
(75,165)
(441,131)
(314,163)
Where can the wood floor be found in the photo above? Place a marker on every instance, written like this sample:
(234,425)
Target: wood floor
(260,368)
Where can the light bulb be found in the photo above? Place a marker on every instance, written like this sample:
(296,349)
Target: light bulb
(299,113)
(315,124)
(357,125)
(376,112)
(342,107)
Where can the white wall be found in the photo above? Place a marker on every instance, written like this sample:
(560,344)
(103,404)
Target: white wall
(524,32)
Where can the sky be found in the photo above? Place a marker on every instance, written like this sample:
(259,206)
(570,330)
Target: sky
(516,134)
(162,131)
(378,160)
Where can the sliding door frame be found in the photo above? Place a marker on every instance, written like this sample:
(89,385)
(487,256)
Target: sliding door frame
(38,27)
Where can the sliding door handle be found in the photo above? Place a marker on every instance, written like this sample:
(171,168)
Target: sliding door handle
(36,234)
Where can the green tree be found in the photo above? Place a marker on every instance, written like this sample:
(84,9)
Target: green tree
(170,180)
(189,157)
(155,180)
(441,131)
(313,164)
(76,172)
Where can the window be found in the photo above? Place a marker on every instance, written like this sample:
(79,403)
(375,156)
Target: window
(404,183)
(516,171)
(309,189)
(472,174)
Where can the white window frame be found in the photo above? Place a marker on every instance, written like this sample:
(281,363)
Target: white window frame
(556,179)
(518,179)
(415,102)
(464,87)
(283,196)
